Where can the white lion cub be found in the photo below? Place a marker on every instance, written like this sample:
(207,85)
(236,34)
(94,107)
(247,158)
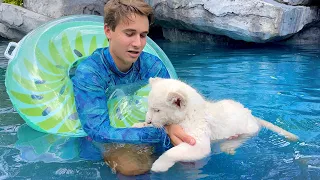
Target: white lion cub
(174,102)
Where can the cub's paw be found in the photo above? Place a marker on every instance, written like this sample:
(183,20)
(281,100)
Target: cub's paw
(161,166)
(228,150)
(141,125)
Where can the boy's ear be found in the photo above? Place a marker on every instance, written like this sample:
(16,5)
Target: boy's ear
(107,31)
(154,80)
(177,99)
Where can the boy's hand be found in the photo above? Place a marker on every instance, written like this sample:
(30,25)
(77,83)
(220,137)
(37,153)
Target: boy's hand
(177,135)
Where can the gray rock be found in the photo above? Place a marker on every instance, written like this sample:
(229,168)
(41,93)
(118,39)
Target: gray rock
(309,35)
(20,19)
(295,2)
(58,8)
(176,35)
(9,33)
(249,20)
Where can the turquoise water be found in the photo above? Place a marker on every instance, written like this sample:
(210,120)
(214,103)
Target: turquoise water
(278,83)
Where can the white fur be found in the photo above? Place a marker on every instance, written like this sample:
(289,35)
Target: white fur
(174,102)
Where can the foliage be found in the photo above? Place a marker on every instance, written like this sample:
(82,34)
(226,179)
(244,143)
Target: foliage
(15,2)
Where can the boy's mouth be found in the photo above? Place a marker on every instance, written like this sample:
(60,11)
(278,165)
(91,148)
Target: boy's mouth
(134,54)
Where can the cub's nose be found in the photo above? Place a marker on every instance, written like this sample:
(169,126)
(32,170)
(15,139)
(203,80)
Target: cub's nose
(148,118)
(148,121)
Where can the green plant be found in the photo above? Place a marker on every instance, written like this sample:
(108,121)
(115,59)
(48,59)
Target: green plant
(15,2)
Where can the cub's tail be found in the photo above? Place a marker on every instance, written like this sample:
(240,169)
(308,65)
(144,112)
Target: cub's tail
(278,130)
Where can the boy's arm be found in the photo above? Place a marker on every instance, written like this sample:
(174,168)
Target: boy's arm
(91,103)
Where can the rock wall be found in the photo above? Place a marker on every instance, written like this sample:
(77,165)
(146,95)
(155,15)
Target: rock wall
(215,21)
(58,8)
(248,20)
(10,33)
(309,35)
(15,21)
(19,18)
(295,2)
(300,2)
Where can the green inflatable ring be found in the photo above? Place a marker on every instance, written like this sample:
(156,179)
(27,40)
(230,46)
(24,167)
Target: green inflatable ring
(38,80)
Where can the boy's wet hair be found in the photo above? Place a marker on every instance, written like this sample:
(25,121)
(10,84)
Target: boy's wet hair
(118,10)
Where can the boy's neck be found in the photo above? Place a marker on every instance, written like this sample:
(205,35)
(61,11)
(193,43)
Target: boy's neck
(123,67)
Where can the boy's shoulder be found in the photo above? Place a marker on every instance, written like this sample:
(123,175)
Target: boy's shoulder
(148,60)
(94,58)
(92,62)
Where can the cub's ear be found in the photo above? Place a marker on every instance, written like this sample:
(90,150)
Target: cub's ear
(154,80)
(177,99)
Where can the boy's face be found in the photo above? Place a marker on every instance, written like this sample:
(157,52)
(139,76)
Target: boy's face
(127,41)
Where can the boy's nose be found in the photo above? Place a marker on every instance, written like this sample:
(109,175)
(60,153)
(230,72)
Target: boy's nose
(137,41)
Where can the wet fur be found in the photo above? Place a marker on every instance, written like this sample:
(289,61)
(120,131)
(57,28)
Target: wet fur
(174,102)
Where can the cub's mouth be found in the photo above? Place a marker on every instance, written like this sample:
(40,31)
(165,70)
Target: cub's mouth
(157,125)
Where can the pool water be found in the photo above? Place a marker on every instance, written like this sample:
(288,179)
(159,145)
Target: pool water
(278,83)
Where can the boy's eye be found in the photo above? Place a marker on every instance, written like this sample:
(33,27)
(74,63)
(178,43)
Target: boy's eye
(129,34)
(143,35)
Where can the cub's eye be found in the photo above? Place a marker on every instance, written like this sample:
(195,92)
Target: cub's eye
(156,110)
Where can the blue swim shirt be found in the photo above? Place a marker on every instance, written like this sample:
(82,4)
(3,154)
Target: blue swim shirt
(93,77)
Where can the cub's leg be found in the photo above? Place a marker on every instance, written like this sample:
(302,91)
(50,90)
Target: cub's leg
(182,152)
(230,146)
(141,125)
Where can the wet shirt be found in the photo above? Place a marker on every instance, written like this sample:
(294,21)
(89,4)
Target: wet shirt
(93,77)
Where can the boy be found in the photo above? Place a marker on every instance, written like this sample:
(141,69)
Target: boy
(126,25)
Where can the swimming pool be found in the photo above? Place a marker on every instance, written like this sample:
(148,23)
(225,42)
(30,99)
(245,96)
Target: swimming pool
(278,83)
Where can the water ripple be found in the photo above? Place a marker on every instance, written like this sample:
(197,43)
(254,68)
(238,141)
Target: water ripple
(7,110)
(4,168)
(9,128)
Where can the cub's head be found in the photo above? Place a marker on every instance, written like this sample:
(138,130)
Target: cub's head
(167,102)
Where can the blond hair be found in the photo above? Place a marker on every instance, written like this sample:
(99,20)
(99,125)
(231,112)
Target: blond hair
(118,10)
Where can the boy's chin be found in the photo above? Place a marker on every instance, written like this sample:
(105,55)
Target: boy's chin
(131,60)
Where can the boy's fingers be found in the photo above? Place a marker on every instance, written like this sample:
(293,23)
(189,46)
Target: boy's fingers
(175,140)
(185,137)
(177,135)
(188,139)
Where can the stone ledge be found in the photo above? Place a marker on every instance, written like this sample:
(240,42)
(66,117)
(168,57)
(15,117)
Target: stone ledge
(58,8)
(9,33)
(248,20)
(300,2)
(20,19)
(309,35)
(217,21)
